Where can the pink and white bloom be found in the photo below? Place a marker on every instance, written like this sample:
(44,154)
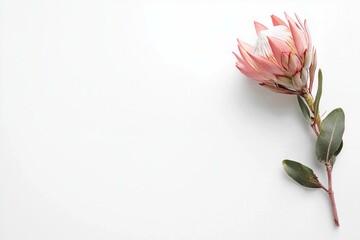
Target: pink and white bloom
(283,58)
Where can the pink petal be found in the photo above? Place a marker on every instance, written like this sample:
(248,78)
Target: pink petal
(300,21)
(259,27)
(297,82)
(278,47)
(298,36)
(294,63)
(277,21)
(262,65)
(237,56)
(244,66)
(288,17)
(248,70)
(307,35)
(285,60)
(307,60)
(244,48)
(304,76)
(253,75)
(266,66)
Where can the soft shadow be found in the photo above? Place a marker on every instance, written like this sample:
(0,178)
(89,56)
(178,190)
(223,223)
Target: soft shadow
(257,96)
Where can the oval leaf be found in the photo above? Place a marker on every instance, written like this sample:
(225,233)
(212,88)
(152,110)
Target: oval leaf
(330,137)
(301,174)
(304,109)
(318,93)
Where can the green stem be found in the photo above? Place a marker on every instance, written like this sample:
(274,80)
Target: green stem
(315,125)
(331,193)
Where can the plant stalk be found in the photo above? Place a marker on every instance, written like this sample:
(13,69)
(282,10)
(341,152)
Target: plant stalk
(331,193)
(315,125)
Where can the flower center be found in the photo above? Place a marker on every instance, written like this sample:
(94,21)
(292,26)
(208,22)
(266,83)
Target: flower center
(263,48)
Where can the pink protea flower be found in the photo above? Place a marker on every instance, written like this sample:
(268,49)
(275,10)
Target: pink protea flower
(283,58)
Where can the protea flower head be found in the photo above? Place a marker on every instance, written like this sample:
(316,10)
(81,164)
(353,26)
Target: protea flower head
(283,58)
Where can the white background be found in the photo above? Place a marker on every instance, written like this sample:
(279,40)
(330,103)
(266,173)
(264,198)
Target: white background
(128,120)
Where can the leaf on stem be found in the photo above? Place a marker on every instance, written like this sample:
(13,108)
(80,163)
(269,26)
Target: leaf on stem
(304,109)
(301,174)
(318,93)
(331,132)
(339,149)
(333,158)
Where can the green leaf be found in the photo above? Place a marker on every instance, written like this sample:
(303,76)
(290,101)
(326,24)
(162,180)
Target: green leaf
(301,174)
(333,158)
(318,93)
(304,109)
(339,149)
(330,137)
